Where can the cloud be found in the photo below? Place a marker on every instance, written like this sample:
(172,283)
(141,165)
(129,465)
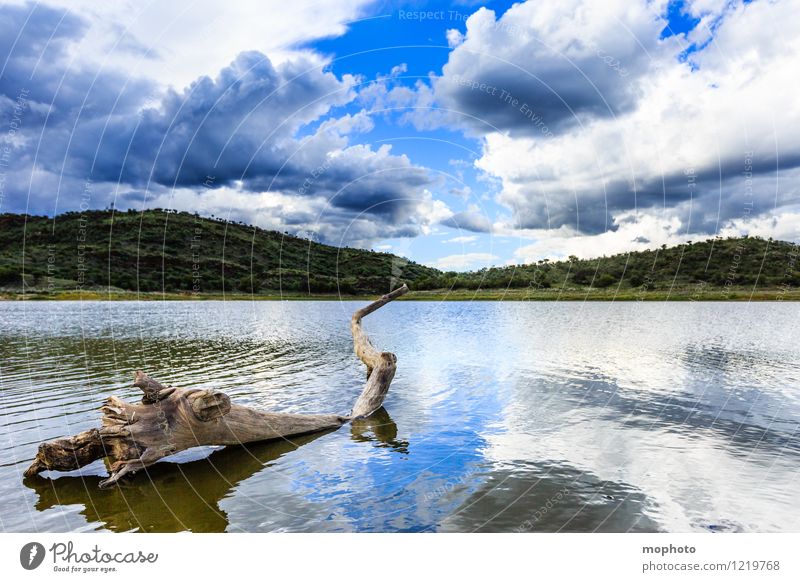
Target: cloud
(468,220)
(361,122)
(705,136)
(589,117)
(465,261)
(783,226)
(308,216)
(564,62)
(597,132)
(238,126)
(647,230)
(35,44)
(461,239)
(454,37)
(176,42)
(631,232)
(254,128)
(464,192)
(432,211)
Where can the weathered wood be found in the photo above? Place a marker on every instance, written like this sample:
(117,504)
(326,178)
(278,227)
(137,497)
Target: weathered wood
(165,501)
(67,454)
(153,391)
(381,366)
(168,419)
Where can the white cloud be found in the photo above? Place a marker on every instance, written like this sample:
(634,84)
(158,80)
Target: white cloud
(398,70)
(454,37)
(464,192)
(784,226)
(679,136)
(189,38)
(461,239)
(249,127)
(308,216)
(641,145)
(465,261)
(633,232)
(348,124)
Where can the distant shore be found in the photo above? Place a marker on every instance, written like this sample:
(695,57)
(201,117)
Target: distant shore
(516,294)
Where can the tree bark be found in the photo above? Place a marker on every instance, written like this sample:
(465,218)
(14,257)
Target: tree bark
(169,419)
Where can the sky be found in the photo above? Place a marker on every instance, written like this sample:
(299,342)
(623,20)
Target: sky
(460,135)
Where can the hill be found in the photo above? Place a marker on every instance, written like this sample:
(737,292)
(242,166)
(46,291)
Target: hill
(178,253)
(718,265)
(158,250)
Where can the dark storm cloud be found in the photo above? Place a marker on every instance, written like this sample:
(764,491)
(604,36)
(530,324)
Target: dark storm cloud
(511,76)
(238,126)
(384,185)
(32,37)
(34,42)
(524,103)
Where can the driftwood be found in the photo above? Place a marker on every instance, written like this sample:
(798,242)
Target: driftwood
(189,497)
(169,420)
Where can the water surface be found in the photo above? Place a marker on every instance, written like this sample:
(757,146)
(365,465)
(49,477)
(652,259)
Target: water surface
(502,416)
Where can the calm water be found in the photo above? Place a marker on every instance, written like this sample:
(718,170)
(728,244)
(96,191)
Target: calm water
(502,416)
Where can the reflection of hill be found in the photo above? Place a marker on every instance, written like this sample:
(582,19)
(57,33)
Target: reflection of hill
(549,497)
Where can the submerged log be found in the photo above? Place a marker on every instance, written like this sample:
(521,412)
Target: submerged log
(168,419)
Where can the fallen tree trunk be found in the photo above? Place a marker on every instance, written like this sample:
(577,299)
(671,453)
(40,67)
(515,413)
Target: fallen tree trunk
(169,420)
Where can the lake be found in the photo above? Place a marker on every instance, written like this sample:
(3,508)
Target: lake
(503,416)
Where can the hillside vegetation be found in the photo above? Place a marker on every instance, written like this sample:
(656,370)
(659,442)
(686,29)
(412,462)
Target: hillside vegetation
(170,251)
(713,264)
(177,252)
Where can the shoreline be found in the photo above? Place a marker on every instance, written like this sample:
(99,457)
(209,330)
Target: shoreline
(682,294)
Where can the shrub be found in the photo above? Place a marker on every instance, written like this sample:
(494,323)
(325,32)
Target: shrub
(9,275)
(604,280)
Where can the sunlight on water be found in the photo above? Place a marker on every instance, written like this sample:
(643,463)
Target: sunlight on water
(502,416)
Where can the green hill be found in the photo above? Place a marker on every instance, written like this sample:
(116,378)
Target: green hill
(178,252)
(159,250)
(711,265)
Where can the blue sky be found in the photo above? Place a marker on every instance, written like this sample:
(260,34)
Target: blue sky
(414,36)
(458,134)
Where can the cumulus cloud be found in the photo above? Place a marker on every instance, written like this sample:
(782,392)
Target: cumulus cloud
(35,40)
(311,217)
(237,126)
(556,61)
(468,220)
(784,226)
(698,126)
(461,239)
(432,211)
(247,130)
(174,43)
(632,232)
(465,261)
(454,37)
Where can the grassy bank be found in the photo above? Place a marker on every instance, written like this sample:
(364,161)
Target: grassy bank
(697,293)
